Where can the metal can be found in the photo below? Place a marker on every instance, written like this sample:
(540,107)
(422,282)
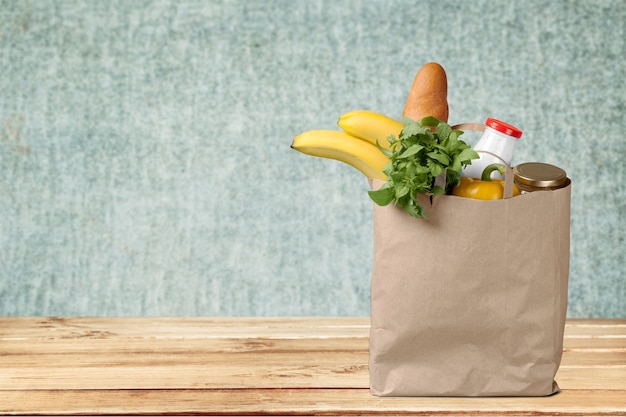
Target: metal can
(537,176)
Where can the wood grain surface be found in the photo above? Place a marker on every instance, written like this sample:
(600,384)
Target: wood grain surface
(260,366)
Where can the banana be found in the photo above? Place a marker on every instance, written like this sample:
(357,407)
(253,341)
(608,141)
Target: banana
(338,145)
(370,126)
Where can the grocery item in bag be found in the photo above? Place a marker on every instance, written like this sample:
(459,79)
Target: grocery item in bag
(498,138)
(539,176)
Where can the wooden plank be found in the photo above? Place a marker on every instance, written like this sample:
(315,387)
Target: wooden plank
(594,359)
(302,402)
(595,328)
(288,373)
(228,363)
(592,378)
(23,346)
(198,327)
(215,377)
(187,327)
(245,351)
(594,343)
(191,346)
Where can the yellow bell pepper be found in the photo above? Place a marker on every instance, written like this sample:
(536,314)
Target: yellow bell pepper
(484,188)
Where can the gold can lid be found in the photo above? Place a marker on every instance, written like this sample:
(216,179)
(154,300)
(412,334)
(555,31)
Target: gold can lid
(540,175)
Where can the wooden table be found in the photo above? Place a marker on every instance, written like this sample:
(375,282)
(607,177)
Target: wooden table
(264,366)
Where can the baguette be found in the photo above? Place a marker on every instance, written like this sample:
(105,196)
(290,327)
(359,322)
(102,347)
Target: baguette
(429,94)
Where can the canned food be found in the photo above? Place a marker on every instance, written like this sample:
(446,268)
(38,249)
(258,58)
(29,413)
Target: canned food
(537,176)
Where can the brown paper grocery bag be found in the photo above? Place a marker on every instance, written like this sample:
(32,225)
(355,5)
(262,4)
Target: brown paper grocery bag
(472,300)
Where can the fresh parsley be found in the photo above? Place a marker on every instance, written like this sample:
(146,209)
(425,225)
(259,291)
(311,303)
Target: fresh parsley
(420,159)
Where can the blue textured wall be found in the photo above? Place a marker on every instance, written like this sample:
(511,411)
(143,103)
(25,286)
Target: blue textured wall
(145,166)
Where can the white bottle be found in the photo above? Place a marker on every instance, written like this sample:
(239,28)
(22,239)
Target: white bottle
(499,138)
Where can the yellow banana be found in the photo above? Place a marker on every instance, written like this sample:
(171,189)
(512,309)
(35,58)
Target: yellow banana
(370,126)
(338,145)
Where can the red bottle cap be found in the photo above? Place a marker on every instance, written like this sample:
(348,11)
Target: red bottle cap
(505,128)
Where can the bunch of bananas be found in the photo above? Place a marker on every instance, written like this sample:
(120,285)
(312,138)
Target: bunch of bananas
(356,144)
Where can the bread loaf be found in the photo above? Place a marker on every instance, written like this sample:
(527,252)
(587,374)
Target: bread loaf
(429,94)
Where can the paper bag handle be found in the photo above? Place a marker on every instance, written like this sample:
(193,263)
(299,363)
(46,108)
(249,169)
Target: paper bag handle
(508,175)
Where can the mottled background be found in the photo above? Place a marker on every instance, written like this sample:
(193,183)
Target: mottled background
(145,166)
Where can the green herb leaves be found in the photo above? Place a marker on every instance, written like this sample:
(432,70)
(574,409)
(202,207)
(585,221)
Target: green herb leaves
(419,156)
